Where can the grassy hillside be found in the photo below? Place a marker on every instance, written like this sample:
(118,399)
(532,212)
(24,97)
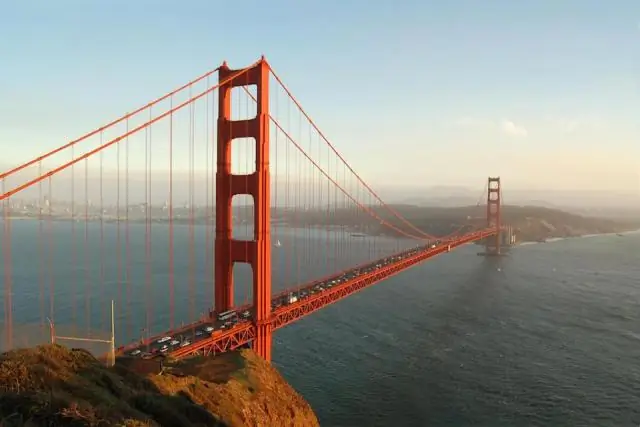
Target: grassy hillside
(54,386)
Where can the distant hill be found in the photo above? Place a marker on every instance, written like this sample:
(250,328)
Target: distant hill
(530,222)
(536,223)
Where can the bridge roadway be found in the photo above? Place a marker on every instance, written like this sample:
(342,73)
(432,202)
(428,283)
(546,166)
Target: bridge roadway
(210,336)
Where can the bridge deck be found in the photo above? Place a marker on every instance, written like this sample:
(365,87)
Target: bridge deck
(195,339)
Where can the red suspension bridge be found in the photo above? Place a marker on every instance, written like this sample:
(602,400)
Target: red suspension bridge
(129,212)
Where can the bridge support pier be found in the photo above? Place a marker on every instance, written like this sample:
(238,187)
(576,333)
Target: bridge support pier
(264,338)
(256,252)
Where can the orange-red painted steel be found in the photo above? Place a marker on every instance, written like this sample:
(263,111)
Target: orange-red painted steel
(494,215)
(256,252)
(244,333)
(220,342)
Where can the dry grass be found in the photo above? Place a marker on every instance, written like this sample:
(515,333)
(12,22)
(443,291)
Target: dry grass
(241,388)
(54,386)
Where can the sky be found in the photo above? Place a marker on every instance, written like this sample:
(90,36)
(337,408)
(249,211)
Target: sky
(545,94)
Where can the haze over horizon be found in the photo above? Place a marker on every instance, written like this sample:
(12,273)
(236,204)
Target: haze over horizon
(544,95)
(426,195)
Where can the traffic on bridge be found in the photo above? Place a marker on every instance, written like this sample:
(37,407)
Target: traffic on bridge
(232,329)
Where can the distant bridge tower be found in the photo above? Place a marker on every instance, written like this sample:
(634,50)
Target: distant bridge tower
(256,252)
(494,216)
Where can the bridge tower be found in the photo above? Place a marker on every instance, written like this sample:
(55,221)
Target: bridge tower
(256,252)
(494,216)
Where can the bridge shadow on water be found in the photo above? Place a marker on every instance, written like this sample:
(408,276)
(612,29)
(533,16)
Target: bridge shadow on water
(398,335)
(437,316)
(452,322)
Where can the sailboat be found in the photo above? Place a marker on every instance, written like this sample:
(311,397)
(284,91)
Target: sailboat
(278,244)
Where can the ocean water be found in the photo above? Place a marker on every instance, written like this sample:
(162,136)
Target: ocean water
(548,336)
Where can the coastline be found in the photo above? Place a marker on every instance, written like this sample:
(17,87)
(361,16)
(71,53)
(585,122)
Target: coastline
(584,236)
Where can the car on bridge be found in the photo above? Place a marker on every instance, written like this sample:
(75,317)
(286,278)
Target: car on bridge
(230,318)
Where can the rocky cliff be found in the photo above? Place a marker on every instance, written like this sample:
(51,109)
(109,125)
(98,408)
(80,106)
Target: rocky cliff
(54,386)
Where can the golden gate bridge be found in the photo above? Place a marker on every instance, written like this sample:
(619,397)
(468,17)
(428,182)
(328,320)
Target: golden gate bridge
(157,209)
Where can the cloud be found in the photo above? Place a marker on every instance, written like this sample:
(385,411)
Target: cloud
(512,129)
(508,127)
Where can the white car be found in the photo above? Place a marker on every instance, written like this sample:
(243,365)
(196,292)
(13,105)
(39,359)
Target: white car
(174,342)
(164,339)
(135,353)
(209,329)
